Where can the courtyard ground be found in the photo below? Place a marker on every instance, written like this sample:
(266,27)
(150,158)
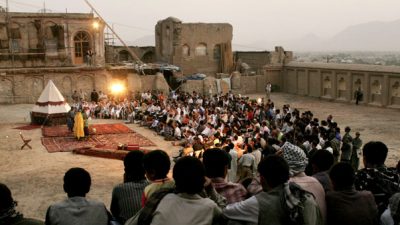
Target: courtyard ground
(36,177)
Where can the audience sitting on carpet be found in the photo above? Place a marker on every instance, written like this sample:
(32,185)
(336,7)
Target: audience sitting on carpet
(193,200)
(8,214)
(126,197)
(235,137)
(281,202)
(77,209)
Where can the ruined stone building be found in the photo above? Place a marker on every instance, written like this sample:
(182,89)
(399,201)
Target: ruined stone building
(195,47)
(256,60)
(49,39)
(117,54)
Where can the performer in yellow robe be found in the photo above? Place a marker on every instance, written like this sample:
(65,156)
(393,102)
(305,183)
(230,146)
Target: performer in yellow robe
(78,126)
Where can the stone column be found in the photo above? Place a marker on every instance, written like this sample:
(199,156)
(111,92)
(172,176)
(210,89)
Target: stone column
(349,86)
(385,91)
(334,85)
(308,82)
(367,88)
(297,84)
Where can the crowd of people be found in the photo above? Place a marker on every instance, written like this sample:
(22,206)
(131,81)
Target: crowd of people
(242,161)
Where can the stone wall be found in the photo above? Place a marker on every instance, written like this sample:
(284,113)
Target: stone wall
(379,84)
(195,47)
(26,85)
(116,54)
(255,59)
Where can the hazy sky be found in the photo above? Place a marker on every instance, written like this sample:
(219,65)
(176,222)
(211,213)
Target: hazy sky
(252,20)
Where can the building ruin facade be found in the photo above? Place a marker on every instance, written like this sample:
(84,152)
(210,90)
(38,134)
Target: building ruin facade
(195,47)
(49,39)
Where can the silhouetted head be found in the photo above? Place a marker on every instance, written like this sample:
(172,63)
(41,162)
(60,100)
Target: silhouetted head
(77,182)
(189,175)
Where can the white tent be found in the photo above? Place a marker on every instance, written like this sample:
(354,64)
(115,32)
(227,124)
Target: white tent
(50,105)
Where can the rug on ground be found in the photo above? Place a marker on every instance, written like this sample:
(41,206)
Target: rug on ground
(103,142)
(62,131)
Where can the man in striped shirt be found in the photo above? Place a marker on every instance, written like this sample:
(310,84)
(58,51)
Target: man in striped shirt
(126,197)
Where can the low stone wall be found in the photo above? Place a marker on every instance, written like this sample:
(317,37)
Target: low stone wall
(26,85)
(380,84)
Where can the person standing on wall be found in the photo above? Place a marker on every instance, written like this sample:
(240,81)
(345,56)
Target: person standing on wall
(268,90)
(358,95)
(89,55)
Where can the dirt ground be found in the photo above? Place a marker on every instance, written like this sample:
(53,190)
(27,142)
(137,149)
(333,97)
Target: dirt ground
(35,176)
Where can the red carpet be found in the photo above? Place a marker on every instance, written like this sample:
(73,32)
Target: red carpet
(104,153)
(108,136)
(62,131)
(27,127)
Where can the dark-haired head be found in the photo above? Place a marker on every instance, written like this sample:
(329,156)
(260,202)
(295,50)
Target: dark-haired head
(189,175)
(6,198)
(156,164)
(77,182)
(274,171)
(133,163)
(374,154)
(342,176)
(322,160)
(216,163)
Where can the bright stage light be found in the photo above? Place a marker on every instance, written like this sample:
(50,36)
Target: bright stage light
(96,25)
(117,88)
(259,101)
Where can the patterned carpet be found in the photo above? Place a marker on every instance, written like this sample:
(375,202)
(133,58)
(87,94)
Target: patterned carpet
(62,131)
(108,136)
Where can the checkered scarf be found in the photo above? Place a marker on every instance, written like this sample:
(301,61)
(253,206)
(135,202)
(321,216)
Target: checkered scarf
(295,157)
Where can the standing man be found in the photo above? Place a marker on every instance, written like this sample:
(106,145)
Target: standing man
(94,96)
(89,55)
(268,90)
(75,96)
(358,95)
(347,146)
(356,153)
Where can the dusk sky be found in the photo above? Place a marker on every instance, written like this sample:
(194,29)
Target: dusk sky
(252,20)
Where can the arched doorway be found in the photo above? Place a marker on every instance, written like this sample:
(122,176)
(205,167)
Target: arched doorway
(81,46)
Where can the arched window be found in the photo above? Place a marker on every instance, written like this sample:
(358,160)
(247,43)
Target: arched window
(396,89)
(185,50)
(217,52)
(201,49)
(81,46)
(376,87)
(342,84)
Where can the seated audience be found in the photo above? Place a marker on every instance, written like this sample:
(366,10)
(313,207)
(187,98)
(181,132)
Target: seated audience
(156,164)
(280,203)
(184,204)
(76,209)
(8,214)
(345,205)
(216,163)
(297,161)
(383,182)
(321,162)
(126,197)
(391,216)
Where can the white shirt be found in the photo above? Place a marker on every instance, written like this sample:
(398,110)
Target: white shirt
(185,209)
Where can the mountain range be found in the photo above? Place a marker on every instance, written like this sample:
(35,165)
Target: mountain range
(371,36)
